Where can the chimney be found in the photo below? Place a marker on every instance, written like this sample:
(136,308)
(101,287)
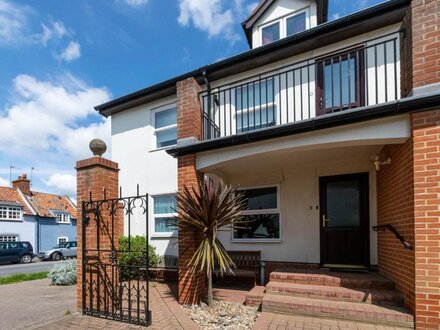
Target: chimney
(23,183)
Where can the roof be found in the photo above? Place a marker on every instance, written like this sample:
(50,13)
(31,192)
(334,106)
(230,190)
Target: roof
(45,203)
(12,196)
(369,19)
(264,5)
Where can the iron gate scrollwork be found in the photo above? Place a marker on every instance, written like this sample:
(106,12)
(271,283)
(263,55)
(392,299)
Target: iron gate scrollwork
(115,268)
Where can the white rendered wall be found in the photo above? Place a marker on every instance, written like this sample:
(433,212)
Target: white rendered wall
(133,148)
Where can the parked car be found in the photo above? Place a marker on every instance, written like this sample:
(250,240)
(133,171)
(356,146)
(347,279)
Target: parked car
(16,252)
(59,252)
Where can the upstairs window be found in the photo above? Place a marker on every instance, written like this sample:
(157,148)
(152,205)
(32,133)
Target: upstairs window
(165,124)
(62,239)
(295,24)
(165,216)
(11,213)
(270,33)
(62,217)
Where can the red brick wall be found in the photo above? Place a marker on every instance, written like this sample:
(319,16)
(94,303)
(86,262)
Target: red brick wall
(93,176)
(395,206)
(426,132)
(189,124)
(425,41)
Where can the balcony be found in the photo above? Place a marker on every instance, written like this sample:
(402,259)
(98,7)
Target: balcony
(364,75)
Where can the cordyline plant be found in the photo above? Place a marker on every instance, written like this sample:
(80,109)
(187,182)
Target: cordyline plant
(205,210)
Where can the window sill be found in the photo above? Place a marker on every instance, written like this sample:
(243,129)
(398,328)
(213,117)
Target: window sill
(257,240)
(63,223)
(12,220)
(164,235)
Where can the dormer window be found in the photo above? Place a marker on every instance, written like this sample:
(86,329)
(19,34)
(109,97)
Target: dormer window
(284,26)
(270,33)
(295,23)
(11,213)
(62,217)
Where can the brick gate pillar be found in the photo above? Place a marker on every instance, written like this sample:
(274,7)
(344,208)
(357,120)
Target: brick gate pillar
(189,126)
(94,175)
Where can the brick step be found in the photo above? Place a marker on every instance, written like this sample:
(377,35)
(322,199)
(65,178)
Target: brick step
(329,278)
(369,296)
(255,296)
(395,316)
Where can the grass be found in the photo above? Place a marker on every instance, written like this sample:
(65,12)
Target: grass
(17,278)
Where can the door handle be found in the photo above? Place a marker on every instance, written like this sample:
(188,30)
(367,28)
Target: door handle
(324,221)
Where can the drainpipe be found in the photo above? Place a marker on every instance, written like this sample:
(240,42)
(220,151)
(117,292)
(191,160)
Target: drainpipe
(37,219)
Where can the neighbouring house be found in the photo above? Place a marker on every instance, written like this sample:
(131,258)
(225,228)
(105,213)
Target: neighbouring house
(331,129)
(40,218)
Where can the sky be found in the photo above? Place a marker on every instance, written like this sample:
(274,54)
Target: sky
(59,59)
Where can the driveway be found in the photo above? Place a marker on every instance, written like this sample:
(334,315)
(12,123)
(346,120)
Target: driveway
(34,302)
(33,267)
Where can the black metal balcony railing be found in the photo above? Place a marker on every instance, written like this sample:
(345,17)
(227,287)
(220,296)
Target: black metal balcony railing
(364,75)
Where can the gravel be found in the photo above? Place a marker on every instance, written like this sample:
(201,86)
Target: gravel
(223,315)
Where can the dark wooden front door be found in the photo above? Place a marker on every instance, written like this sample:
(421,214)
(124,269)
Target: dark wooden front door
(344,220)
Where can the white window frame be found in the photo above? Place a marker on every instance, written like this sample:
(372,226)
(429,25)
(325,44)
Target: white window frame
(62,217)
(62,238)
(169,127)
(9,237)
(283,23)
(265,211)
(162,215)
(9,209)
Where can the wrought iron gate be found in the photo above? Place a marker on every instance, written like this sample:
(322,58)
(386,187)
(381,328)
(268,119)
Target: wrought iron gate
(115,268)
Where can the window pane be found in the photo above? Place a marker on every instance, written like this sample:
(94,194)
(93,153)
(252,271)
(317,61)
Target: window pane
(261,198)
(259,226)
(165,118)
(270,33)
(343,82)
(165,225)
(252,120)
(344,214)
(164,204)
(296,24)
(166,137)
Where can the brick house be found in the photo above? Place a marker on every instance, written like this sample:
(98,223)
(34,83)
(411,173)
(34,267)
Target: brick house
(329,127)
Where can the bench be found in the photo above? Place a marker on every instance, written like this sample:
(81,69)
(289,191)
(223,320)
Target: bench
(247,264)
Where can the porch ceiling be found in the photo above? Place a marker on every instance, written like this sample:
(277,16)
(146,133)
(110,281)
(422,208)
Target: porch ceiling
(356,142)
(281,160)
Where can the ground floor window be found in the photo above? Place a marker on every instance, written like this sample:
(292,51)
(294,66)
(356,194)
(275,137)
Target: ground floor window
(165,215)
(62,239)
(262,218)
(9,238)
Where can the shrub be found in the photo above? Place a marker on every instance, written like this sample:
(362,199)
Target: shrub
(130,259)
(63,273)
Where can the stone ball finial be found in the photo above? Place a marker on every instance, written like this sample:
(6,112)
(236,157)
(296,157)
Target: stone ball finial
(98,147)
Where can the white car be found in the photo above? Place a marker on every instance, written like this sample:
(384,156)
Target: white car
(59,252)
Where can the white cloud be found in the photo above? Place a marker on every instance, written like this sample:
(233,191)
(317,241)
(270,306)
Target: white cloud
(71,52)
(55,30)
(209,16)
(3,182)
(13,19)
(135,3)
(48,124)
(64,183)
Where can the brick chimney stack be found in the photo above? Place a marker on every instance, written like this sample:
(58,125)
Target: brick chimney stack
(23,183)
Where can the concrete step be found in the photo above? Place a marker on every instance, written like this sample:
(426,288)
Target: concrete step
(330,278)
(369,296)
(394,316)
